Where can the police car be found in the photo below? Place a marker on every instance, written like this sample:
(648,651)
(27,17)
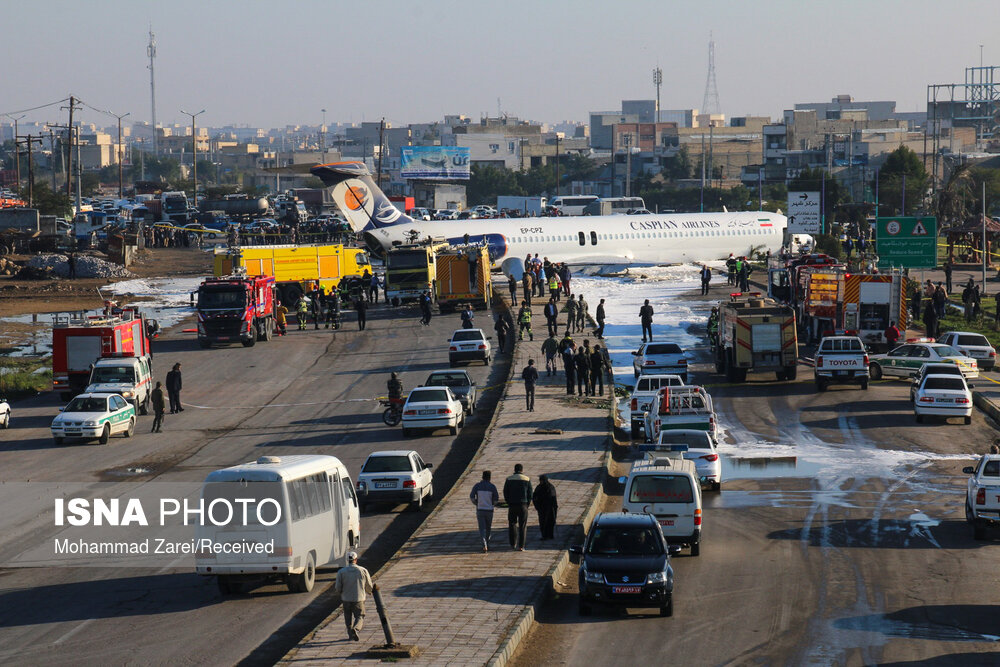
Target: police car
(905,360)
(94,416)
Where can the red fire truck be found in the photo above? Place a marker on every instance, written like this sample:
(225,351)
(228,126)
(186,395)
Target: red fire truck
(78,342)
(235,308)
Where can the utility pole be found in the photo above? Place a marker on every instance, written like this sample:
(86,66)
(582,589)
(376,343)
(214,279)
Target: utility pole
(17,154)
(381,145)
(657,81)
(52,160)
(322,135)
(194,153)
(28,141)
(79,174)
(628,164)
(121,155)
(151,52)
(69,151)
(557,165)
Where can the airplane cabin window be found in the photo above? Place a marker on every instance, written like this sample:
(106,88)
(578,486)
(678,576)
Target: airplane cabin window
(583,238)
(593,238)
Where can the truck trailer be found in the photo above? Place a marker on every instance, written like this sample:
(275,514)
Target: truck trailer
(755,335)
(463,276)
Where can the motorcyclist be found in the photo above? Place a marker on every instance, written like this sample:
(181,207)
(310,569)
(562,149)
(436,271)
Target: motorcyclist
(395,388)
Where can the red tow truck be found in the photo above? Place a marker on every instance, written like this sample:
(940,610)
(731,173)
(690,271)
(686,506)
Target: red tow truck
(234,308)
(78,342)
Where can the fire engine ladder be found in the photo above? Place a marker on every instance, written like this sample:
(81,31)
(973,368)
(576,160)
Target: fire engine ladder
(894,297)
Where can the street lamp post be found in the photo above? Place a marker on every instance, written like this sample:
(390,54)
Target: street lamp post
(121,154)
(322,135)
(194,152)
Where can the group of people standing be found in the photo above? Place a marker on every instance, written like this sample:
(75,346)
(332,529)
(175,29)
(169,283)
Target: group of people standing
(541,275)
(738,270)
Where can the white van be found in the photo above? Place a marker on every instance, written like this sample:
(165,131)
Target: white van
(132,377)
(667,486)
(318,523)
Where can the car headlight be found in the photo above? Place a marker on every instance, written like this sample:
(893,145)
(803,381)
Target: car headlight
(128,394)
(90,423)
(592,577)
(656,578)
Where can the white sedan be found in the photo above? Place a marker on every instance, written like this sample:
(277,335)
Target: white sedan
(395,476)
(700,448)
(94,417)
(943,396)
(432,408)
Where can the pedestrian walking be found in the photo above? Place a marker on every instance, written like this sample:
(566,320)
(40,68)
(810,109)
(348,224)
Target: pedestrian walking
(362,308)
(646,319)
(353,585)
(158,407)
(373,286)
(71,263)
(485,497)
(569,366)
(931,321)
(706,277)
(468,317)
(500,326)
(544,500)
(512,288)
(174,389)
(601,317)
(948,269)
(425,308)
(571,307)
(517,495)
(581,313)
(551,313)
(598,366)
(940,298)
(524,321)
(530,376)
(564,276)
(582,362)
(550,348)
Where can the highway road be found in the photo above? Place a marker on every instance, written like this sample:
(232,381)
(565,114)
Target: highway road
(838,538)
(169,616)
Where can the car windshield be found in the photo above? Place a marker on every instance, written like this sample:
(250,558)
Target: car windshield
(973,339)
(387,464)
(663,348)
(941,369)
(407,259)
(448,380)
(122,374)
(231,297)
(626,541)
(427,395)
(661,489)
(470,334)
(842,345)
(946,351)
(88,404)
(955,383)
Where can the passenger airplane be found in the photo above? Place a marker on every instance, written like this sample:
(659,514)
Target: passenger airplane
(610,240)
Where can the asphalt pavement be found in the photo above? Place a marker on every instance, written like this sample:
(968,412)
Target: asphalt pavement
(298,394)
(838,538)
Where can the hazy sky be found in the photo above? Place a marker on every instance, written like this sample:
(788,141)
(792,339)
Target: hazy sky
(276,63)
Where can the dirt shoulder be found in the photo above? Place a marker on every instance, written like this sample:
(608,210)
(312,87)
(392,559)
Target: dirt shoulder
(19,297)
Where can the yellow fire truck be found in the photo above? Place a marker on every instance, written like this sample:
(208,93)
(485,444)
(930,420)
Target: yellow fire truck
(756,335)
(463,276)
(296,268)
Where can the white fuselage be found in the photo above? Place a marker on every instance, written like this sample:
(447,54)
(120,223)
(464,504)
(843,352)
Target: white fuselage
(670,238)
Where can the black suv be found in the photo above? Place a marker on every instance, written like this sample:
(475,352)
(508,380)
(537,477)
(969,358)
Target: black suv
(626,562)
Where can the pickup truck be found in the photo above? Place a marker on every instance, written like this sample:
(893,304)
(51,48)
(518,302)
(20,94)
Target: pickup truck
(982,499)
(684,407)
(643,396)
(841,360)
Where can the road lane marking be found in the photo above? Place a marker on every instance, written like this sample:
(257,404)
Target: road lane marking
(73,631)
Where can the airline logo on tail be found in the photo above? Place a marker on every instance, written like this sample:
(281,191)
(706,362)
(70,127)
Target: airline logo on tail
(363,202)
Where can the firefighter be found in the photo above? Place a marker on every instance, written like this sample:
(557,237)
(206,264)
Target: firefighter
(316,305)
(524,321)
(713,327)
(279,317)
(302,311)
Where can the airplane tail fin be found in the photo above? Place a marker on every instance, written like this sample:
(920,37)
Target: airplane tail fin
(358,197)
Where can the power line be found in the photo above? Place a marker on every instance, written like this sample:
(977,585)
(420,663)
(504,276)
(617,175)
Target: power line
(50,104)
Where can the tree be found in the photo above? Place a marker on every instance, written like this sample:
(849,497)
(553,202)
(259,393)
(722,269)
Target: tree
(902,183)
(678,166)
(954,200)
(537,180)
(485,183)
(48,202)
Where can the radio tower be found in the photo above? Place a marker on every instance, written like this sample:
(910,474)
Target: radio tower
(710,104)
(151,52)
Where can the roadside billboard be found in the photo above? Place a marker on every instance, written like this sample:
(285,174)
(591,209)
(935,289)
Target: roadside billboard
(804,213)
(429,162)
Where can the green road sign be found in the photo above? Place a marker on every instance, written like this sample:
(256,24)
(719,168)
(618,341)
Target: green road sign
(906,242)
